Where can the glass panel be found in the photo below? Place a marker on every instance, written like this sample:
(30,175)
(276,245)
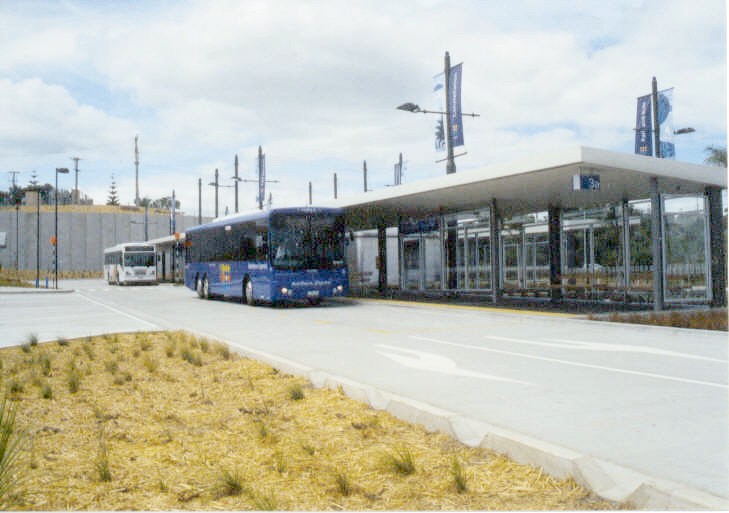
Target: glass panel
(685,236)
(641,252)
(411,264)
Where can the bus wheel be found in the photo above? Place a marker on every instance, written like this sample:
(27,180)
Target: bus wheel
(248,292)
(206,288)
(199,288)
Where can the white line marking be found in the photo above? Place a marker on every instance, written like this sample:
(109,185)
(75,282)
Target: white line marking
(599,346)
(116,310)
(436,363)
(576,364)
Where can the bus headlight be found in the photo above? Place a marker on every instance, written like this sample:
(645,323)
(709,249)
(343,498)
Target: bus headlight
(285,291)
(337,290)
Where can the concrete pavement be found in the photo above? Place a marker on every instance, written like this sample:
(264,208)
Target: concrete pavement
(596,461)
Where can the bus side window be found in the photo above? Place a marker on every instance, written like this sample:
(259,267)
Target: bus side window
(261,247)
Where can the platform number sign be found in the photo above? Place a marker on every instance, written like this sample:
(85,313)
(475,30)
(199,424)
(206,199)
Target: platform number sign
(586,183)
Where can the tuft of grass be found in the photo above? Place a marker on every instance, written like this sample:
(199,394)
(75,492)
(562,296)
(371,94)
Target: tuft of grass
(308,449)
(102,460)
(73,380)
(11,443)
(191,356)
(45,363)
(459,475)
(46,391)
(62,341)
(15,387)
(296,392)
(223,350)
(150,364)
(344,485)
(33,339)
(112,366)
(25,346)
(230,484)
(401,461)
(280,462)
(264,501)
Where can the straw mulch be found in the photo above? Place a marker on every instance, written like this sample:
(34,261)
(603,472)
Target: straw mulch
(167,421)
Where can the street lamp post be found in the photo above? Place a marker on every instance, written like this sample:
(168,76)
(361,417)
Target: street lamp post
(413,107)
(63,170)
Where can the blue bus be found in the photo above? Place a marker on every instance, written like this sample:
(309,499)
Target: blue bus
(269,256)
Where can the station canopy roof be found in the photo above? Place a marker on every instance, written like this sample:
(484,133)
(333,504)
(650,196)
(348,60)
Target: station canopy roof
(532,184)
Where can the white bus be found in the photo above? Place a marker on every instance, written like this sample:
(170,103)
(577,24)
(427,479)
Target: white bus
(131,262)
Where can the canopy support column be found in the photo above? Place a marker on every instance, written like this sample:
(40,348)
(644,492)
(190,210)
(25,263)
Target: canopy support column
(555,253)
(717,240)
(657,244)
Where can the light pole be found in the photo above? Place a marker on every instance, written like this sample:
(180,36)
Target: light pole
(63,170)
(413,107)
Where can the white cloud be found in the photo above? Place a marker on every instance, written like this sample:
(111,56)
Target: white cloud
(316,84)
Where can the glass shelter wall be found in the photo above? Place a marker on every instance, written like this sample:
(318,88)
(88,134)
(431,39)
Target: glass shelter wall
(606,253)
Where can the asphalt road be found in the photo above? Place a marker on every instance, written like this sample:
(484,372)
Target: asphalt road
(649,399)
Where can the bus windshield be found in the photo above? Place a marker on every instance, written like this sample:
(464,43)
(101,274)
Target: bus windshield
(306,241)
(138,259)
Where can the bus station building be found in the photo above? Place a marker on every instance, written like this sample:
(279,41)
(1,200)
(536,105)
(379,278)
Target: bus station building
(580,224)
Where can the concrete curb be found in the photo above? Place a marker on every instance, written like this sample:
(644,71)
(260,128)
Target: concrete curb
(608,480)
(32,290)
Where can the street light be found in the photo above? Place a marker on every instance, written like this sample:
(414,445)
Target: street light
(413,107)
(63,170)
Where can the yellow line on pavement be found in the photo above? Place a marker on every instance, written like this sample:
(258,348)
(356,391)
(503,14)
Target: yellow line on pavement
(473,308)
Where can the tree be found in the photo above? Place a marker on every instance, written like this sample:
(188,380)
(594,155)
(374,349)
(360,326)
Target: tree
(113,197)
(717,156)
(164,203)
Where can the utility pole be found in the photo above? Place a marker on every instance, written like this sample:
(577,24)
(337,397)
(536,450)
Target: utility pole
(364,174)
(136,167)
(199,201)
(310,195)
(215,184)
(172,213)
(398,171)
(335,185)
(75,196)
(237,179)
(16,200)
(261,178)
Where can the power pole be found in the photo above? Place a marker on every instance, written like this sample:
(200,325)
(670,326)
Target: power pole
(261,178)
(215,184)
(199,201)
(335,185)
(136,167)
(398,171)
(237,179)
(75,196)
(364,174)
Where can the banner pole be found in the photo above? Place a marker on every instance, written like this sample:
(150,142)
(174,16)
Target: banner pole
(451,166)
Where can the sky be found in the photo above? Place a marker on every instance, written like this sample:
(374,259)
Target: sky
(316,85)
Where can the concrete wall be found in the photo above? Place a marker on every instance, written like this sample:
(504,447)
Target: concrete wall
(82,236)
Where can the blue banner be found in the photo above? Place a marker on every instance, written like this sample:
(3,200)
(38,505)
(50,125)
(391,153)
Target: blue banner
(644,127)
(454,104)
(665,121)
(438,88)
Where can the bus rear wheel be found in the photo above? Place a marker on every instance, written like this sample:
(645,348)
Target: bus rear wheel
(202,288)
(248,293)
